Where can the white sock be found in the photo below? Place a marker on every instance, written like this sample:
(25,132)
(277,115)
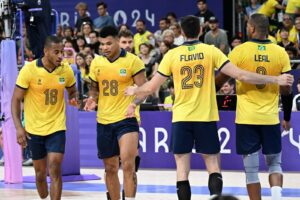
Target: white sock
(276,193)
(129,198)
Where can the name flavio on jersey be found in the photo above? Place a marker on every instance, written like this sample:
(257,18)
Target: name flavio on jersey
(191,57)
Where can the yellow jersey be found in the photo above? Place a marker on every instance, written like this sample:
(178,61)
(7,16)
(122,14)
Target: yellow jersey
(291,6)
(44,103)
(258,104)
(192,66)
(268,8)
(113,78)
(140,39)
(168,102)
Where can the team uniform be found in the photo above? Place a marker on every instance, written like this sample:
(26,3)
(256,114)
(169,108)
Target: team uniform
(112,79)
(268,8)
(195,110)
(44,106)
(257,119)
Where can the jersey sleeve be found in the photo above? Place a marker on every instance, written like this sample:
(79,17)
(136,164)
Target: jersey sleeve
(219,58)
(164,67)
(70,76)
(24,78)
(92,74)
(138,66)
(286,64)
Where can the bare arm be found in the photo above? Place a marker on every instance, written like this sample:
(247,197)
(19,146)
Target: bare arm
(91,102)
(220,79)
(254,78)
(16,101)
(73,96)
(148,88)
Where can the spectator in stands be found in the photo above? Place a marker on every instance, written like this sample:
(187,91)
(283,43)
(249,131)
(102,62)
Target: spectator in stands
(164,24)
(142,36)
(68,32)
(288,25)
(126,40)
(94,42)
(88,59)
(297,26)
(169,100)
(28,54)
(148,60)
(228,87)
(171,16)
(168,37)
(284,39)
(269,7)
(82,9)
(296,99)
(292,52)
(293,8)
(86,29)
(204,15)
(84,69)
(179,39)
(104,18)
(124,27)
(80,44)
(252,8)
(217,36)
(59,31)
(236,40)
(69,51)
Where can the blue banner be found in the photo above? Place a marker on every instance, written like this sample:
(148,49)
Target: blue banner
(155,135)
(129,11)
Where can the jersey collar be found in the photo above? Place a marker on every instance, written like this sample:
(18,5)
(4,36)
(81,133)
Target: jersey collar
(266,41)
(122,54)
(39,63)
(191,42)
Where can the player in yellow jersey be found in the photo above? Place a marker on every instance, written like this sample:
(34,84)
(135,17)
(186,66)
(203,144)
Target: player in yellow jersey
(117,116)
(257,120)
(195,111)
(269,7)
(41,83)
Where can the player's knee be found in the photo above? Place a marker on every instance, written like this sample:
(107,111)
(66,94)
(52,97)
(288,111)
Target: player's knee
(274,163)
(40,176)
(251,165)
(111,169)
(215,183)
(128,166)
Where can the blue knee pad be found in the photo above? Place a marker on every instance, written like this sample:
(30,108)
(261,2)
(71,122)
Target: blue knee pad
(251,165)
(274,163)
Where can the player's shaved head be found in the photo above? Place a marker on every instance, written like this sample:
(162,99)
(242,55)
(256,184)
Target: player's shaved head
(52,40)
(260,22)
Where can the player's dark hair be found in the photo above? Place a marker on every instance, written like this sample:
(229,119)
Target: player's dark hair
(108,31)
(190,26)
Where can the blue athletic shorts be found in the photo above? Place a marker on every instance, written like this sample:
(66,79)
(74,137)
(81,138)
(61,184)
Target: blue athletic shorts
(108,136)
(41,145)
(251,138)
(203,136)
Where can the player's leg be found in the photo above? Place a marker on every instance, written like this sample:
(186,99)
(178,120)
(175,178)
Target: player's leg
(111,177)
(128,153)
(127,131)
(55,145)
(207,143)
(39,153)
(108,151)
(272,150)
(182,142)
(248,143)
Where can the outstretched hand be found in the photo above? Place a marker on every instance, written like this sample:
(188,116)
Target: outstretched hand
(285,79)
(74,102)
